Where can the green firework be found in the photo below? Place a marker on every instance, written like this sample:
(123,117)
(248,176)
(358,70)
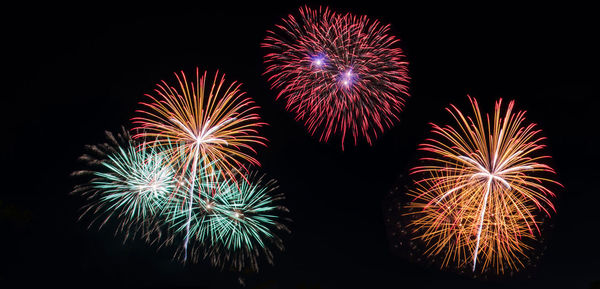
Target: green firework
(129,183)
(233,223)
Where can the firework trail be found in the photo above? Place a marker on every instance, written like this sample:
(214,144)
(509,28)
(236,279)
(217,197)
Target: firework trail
(129,182)
(482,188)
(216,124)
(339,73)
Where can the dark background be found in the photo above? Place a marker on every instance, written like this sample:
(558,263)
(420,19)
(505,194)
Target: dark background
(75,71)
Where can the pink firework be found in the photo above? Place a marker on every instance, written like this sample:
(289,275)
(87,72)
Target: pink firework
(339,73)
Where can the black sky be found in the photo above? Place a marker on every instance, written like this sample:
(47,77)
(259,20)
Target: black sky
(75,71)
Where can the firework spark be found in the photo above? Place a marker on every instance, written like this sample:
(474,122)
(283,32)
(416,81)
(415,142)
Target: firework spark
(339,73)
(130,182)
(482,189)
(233,226)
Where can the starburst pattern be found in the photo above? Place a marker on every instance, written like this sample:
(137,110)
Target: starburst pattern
(339,73)
(233,227)
(129,183)
(217,123)
(485,182)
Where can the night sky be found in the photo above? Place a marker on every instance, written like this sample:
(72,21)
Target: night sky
(75,71)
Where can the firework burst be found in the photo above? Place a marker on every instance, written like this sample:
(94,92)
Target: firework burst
(129,182)
(483,188)
(232,227)
(339,73)
(217,123)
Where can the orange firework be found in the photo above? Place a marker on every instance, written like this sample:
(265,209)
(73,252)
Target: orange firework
(215,124)
(482,189)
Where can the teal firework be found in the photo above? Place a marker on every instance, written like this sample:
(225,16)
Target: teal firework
(233,224)
(129,183)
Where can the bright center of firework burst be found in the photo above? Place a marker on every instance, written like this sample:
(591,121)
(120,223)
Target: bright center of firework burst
(237,215)
(154,187)
(491,177)
(199,139)
(205,134)
(155,179)
(318,61)
(347,78)
(494,174)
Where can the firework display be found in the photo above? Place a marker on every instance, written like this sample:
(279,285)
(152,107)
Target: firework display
(129,183)
(339,73)
(482,190)
(186,177)
(183,176)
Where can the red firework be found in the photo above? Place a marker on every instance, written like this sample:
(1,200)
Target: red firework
(339,73)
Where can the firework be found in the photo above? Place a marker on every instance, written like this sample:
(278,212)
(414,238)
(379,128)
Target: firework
(129,183)
(232,227)
(217,125)
(339,73)
(483,188)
